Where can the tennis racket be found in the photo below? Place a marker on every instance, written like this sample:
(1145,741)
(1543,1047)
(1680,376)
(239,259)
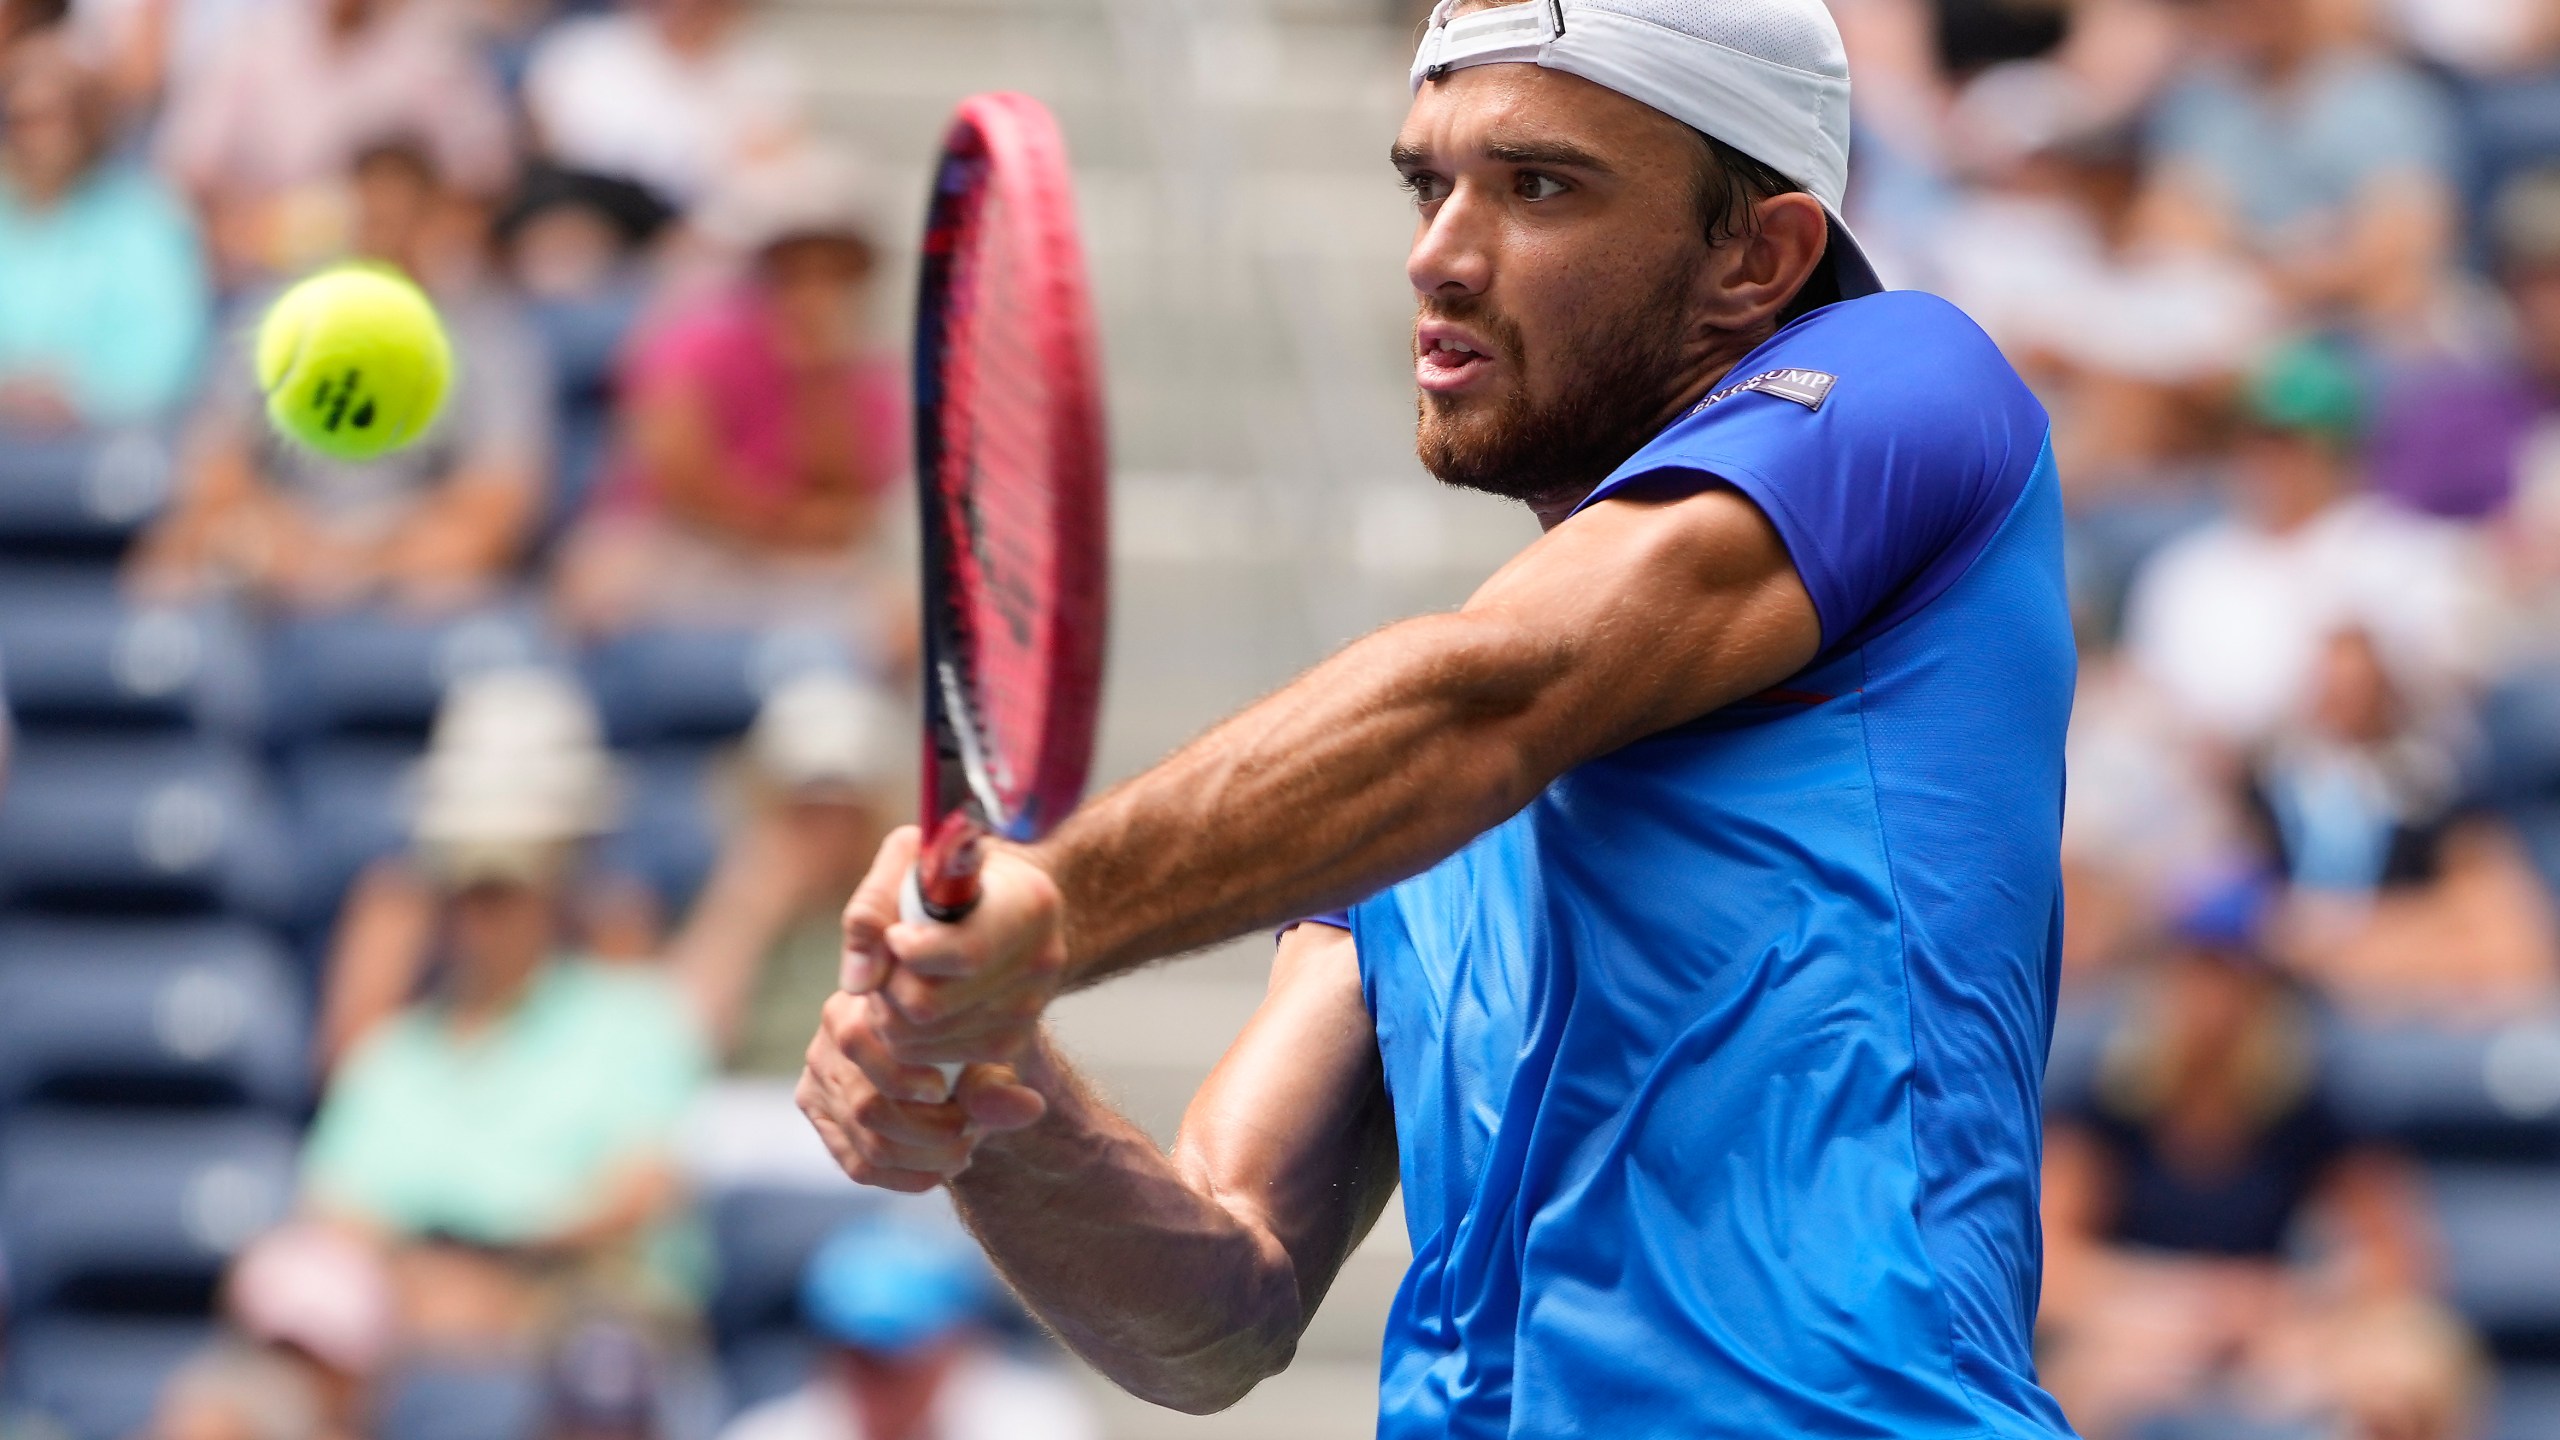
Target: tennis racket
(1010,474)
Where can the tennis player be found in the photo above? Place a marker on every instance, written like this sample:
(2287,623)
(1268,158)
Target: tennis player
(1698,968)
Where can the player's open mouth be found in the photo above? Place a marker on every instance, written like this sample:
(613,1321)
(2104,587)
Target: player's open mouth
(1446,359)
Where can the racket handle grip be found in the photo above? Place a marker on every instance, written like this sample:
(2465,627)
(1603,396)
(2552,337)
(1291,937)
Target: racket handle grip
(943,887)
(947,871)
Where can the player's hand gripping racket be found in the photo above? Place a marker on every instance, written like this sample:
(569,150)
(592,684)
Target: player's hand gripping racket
(1010,470)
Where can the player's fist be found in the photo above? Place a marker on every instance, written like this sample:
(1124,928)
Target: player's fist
(895,1125)
(969,992)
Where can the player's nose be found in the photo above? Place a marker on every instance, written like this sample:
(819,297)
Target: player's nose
(1452,248)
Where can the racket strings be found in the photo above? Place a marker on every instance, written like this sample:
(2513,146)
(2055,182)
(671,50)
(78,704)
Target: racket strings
(998,472)
(1012,435)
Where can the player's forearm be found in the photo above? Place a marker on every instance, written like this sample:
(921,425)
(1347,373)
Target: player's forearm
(1369,768)
(1156,1285)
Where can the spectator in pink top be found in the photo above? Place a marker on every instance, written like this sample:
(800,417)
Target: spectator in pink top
(758,435)
(262,135)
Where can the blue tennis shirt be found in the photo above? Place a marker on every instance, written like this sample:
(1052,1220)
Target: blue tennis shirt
(1716,1069)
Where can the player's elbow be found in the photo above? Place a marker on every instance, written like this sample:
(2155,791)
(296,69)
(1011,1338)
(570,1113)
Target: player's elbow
(1217,1356)
(1207,1384)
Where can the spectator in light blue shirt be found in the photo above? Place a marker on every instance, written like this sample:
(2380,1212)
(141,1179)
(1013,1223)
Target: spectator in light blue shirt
(2326,162)
(103,298)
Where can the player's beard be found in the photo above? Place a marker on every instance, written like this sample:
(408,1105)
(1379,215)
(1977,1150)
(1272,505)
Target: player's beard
(1616,380)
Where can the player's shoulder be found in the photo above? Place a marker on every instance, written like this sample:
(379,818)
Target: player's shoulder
(1901,344)
(1898,368)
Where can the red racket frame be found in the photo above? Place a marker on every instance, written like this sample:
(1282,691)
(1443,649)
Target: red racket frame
(1003,181)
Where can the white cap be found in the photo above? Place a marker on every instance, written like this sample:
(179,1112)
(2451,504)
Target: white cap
(1768,78)
(806,192)
(517,760)
(827,731)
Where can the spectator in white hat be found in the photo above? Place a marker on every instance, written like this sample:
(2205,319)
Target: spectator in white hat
(674,94)
(516,775)
(506,1134)
(828,757)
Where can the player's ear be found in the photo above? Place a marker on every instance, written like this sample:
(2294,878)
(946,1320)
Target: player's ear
(1769,262)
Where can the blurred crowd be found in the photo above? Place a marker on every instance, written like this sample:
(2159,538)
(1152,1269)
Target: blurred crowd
(2287,273)
(671,420)
(656,276)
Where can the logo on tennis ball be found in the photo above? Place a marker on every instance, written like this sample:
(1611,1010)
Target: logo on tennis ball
(354,362)
(332,398)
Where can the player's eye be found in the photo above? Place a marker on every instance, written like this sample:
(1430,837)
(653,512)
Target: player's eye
(1535,186)
(1425,187)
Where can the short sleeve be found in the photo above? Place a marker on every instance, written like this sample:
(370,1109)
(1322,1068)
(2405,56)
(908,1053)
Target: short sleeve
(2383,117)
(152,320)
(2183,124)
(1338,919)
(345,1166)
(1885,438)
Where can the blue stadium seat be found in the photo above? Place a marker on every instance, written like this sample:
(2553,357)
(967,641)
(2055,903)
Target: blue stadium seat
(2528,1404)
(82,497)
(119,1210)
(2520,728)
(349,803)
(660,685)
(2081,1025)
(148,822)
(80,654)
(385,674)
(98,1376)
(2501,1228)
(2223,1424)
(2511,126)
(767,1365)
(184,1012)
(584,336)
(490,1401)
(763,1237)
(2537,823)
(667,836)
(583,448)
(2442,1092)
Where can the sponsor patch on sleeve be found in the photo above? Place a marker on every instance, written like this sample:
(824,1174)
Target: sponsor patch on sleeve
(1808,388)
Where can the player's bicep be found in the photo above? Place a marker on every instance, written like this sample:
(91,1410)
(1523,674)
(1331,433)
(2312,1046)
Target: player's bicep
(1657,610)
(1292,1132)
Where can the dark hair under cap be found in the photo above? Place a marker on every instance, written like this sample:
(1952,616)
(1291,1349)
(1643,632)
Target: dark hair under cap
(636,212)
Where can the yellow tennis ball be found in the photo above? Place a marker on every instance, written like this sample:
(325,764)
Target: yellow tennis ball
(354,362)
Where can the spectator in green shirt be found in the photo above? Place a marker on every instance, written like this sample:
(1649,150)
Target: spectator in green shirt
(104,302)
(507,1135)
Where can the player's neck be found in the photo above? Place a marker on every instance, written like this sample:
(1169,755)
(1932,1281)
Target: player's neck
(1552,512)
(1709,364)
